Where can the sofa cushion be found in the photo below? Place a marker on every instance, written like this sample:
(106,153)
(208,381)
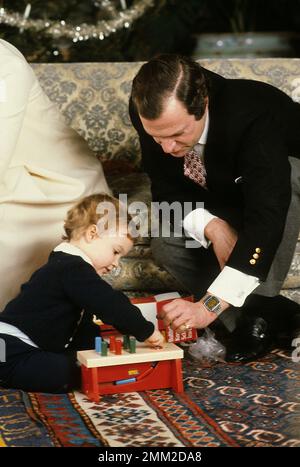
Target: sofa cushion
(93,97)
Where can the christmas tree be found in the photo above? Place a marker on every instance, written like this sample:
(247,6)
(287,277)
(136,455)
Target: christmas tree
(97,30)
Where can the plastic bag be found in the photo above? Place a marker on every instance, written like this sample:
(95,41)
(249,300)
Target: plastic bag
(207,348)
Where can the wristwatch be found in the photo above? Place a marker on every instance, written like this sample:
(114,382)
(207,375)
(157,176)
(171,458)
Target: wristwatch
(213,304)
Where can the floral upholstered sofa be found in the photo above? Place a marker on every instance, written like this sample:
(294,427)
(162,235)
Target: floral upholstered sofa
(93,98)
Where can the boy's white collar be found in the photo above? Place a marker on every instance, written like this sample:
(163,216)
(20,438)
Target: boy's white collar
(66,247)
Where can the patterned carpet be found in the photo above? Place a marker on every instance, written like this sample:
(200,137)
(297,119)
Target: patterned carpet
(257,404)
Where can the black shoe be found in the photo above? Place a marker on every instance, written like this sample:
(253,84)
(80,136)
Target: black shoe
(281,314)
(250,340)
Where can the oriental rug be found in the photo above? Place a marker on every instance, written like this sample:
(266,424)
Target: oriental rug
(254,404)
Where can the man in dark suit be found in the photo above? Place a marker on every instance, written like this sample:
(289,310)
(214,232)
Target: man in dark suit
(233,145)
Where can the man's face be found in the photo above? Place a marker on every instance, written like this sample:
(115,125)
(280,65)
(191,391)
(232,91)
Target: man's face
(175,130)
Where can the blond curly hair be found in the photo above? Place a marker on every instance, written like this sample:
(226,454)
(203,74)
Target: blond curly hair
(92,210)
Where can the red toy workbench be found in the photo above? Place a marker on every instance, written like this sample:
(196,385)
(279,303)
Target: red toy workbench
(146,369)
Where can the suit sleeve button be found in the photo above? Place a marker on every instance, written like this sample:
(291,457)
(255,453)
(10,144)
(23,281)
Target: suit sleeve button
(252,261)
(257,250)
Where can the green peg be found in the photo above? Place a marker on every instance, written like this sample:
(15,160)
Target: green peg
(125,342)
(104,348)
(132,345)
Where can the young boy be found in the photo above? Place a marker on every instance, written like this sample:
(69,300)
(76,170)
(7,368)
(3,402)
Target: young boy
(51,318)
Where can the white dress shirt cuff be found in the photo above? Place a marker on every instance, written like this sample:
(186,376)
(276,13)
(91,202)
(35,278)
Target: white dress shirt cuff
(233,286)
(194,224)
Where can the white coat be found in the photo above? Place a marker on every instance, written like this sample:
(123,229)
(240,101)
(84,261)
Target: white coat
(45,167)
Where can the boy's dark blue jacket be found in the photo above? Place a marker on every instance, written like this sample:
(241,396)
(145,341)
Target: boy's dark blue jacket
(49,305)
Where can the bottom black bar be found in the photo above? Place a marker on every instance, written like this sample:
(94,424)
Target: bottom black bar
(144,456)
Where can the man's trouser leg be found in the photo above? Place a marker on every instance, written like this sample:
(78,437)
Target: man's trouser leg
(194,268)
(283,258)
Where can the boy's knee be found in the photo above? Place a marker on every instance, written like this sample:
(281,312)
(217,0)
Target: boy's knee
(67,376)
(53,374)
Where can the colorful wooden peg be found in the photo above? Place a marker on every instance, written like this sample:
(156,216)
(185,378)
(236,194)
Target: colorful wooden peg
(98,341)
(126,342)
(118,346)
(104,348)
(112,343)
(132,345)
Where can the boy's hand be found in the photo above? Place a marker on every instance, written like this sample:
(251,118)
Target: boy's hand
(156,340)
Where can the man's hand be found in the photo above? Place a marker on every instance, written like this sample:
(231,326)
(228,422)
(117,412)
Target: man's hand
(182,315)
(223,238)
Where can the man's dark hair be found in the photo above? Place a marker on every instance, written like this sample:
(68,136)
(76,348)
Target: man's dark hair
(166,75)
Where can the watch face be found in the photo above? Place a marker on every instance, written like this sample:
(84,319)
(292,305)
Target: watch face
(212,302)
